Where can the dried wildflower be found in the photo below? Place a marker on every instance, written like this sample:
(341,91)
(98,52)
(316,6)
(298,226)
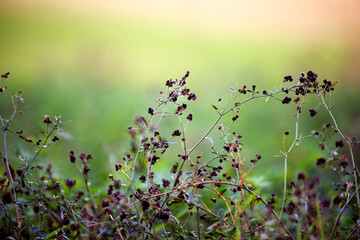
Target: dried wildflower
(254,161)
(320,162)
(145,205)
(170,83)
(185,91)
(173,96)
(291,207)
(189,117)
(301,176)
(86,170)
(286,100)
(80,193)
(311,76)
(111,177)
(326,126)
(5,75)
(243,90)
(313,112)
(180,109)
(117,184)
(118,167)
(70,183)
(110,189)
(47,119)
(339,144)
(203,216)
(19,172)
(176,133)
(288,78)
(285,90)
(151,111)
(55,138)
(142,179)
(343,164)
(82,157)
(192,96)
(324,203)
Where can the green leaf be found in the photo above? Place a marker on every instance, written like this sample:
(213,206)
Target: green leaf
(214,107)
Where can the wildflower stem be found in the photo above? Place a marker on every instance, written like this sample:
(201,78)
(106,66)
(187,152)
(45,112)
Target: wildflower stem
(341,212)
(134,164)
(42,146)
(272,210)
(5,128)
(198,223)
(350,149)
(288,152)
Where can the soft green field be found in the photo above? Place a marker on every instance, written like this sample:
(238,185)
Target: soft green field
(100,71)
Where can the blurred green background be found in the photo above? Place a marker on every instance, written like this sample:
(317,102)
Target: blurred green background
(100,63)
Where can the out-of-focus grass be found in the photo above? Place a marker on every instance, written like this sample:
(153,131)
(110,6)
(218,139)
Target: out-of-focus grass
(100,71)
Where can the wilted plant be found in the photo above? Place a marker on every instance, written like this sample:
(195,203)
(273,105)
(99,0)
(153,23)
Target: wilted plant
(201,196)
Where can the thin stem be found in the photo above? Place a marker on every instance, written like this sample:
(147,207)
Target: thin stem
(341,212)
(89,193)
(42,146)
(351,152)
(198,223)
(355,229)
(11,178)
(5,128)
(288,152)
(135,160)
(273,212)
(224,112)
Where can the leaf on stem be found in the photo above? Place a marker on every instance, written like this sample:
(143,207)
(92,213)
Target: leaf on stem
(214,107)
(144,120)
(25,138)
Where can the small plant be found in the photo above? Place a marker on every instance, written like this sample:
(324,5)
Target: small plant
(201,196)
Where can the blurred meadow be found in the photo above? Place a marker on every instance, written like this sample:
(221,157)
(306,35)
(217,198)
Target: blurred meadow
(100,63)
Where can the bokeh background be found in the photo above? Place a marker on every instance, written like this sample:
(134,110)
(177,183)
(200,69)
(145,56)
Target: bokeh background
(100,63)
